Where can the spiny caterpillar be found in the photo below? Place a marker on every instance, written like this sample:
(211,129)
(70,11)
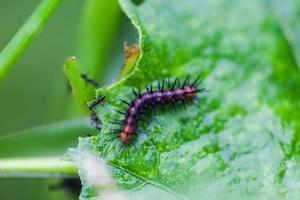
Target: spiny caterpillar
(173,93)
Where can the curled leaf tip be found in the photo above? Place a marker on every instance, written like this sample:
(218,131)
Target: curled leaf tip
(72,58)
(132,53)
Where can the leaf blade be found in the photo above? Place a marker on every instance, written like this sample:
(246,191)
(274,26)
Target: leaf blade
(235,137)
(47,140)
(82,91)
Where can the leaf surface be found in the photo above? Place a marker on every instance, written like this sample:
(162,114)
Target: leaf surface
(242,140)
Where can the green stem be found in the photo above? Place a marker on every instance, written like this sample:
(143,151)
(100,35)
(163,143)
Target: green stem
(98,27)
(24,36)
(37,167)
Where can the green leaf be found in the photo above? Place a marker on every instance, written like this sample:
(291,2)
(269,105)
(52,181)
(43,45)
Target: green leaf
(241,141)
(47,140)
(24,36)
(82,90)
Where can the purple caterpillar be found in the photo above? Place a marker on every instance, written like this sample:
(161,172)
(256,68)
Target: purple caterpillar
(173,93)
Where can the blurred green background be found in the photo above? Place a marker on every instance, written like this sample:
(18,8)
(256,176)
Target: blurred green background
(35,91)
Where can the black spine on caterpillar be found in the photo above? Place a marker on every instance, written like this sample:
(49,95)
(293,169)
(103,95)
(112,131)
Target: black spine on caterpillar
(173,93)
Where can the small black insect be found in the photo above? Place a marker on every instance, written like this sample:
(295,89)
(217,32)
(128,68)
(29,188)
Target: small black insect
(89,80)
(96,102)
(95,120)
